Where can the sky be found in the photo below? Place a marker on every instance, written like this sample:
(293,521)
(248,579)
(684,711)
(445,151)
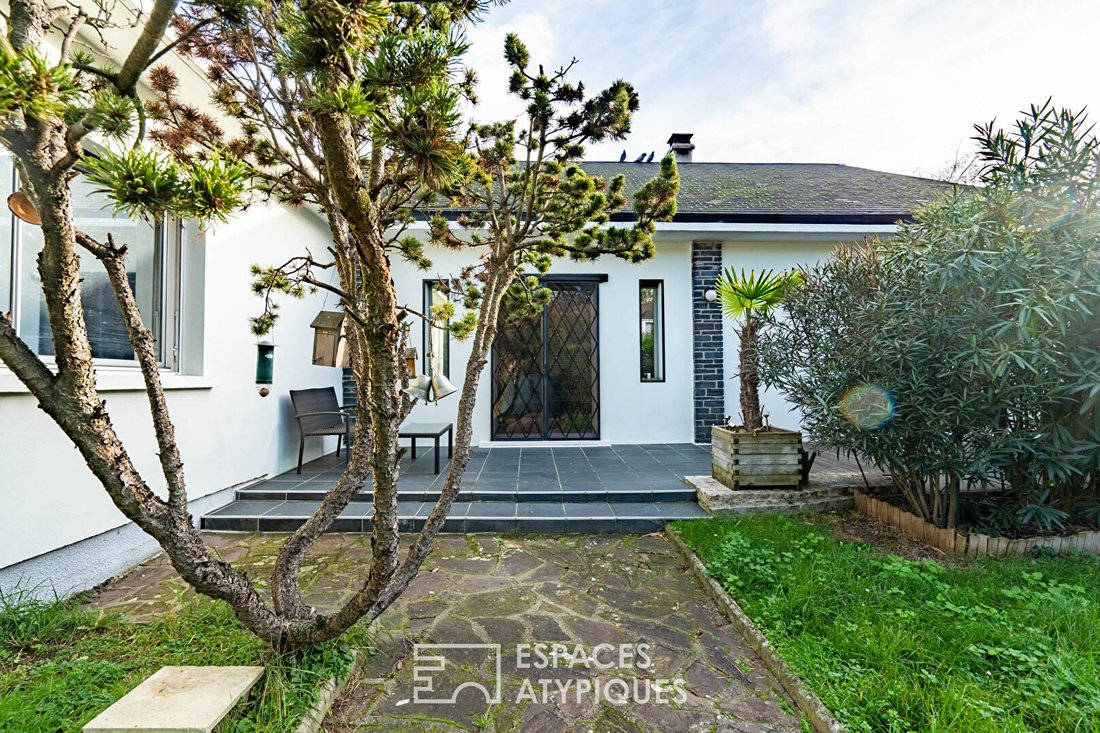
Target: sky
(894,85)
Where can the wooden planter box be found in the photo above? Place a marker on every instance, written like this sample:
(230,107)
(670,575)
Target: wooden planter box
(766,459)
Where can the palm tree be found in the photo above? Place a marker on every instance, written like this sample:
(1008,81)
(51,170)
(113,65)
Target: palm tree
(749,299)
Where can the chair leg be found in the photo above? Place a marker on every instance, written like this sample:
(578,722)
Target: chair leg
(435,454)
(301,451)
(338,439)
(414,448)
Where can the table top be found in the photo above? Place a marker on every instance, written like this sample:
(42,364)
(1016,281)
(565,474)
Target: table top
(424,429)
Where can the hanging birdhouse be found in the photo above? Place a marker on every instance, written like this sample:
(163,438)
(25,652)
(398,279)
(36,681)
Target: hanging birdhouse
(330,347)
(410,361)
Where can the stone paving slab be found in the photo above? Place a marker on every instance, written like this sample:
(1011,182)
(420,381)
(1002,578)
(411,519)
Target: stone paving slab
(177,700)
(664,642)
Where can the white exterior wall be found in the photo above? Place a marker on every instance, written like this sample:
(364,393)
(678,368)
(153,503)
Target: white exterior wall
(58,528)
(630,410)
(227,433)
(764,255)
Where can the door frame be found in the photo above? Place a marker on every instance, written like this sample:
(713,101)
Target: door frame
(597,278)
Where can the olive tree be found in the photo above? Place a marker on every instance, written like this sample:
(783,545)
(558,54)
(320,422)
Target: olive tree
(965,351)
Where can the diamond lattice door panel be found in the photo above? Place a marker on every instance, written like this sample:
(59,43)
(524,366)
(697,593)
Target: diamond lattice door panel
(546,383)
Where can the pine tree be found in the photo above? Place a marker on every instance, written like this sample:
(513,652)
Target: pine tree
(352,107)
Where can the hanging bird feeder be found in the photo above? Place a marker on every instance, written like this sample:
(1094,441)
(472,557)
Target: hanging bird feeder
(265,362)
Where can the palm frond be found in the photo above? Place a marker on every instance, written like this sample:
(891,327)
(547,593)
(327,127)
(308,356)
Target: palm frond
(752,295)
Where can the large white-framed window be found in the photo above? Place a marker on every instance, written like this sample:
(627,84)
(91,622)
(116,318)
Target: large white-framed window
(152,265)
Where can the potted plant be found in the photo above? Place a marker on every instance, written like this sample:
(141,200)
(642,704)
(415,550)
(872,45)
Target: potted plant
(754,454)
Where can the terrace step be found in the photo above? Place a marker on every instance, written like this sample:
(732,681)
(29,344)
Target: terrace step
(271,491)
(527,517)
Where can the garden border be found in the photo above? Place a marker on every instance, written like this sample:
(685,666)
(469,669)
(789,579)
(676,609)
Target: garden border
(329,692)
(953,541)
(818,715)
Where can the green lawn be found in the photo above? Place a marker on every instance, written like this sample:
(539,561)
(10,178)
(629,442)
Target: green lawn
(60,664)
(896,645)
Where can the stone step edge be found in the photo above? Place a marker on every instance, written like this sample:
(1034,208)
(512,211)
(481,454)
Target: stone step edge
(716,498)
(305,514)
(595,495)
(459,525)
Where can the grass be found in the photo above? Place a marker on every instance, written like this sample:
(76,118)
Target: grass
(897,645)
(62,664)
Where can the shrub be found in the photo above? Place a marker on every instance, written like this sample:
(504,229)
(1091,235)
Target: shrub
(965,351)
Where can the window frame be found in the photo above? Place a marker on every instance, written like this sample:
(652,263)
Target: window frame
(429,284)
(167,290)
(658,286)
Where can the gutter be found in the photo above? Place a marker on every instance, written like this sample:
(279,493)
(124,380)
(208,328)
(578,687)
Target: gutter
(678,231)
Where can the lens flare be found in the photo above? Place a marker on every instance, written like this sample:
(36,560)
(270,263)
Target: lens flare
(868,406)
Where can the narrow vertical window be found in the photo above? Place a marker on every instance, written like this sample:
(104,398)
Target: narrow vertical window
(437,339)
(652,330)
(7,185)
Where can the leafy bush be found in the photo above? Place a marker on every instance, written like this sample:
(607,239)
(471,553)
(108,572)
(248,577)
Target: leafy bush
(965,351)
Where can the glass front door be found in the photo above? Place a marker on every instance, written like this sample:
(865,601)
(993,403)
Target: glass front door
(546,368)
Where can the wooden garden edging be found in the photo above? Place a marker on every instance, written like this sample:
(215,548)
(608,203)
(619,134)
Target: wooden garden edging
(820,717)
(950,540)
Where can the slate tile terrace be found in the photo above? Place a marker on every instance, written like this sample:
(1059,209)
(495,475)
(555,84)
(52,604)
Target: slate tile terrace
(619,488)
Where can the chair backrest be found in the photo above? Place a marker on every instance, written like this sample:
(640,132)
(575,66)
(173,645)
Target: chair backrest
(319,399)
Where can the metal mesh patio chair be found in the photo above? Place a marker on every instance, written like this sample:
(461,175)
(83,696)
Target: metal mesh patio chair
(319,413)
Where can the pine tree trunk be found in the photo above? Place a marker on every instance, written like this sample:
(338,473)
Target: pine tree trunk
(488,319)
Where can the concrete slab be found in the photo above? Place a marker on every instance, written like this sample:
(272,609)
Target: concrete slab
(178,700)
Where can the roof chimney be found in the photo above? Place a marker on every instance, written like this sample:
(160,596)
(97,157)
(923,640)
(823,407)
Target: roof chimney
(681,146)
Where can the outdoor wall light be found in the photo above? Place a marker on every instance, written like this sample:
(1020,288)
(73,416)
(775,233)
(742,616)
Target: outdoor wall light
(710,295)
(20,204)
(265,362)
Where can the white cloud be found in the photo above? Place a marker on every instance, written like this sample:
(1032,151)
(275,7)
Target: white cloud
(486,55)
(893,85)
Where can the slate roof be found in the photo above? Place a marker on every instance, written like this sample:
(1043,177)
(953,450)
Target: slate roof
(785,192)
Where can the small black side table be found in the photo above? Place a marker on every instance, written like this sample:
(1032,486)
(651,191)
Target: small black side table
(432,430)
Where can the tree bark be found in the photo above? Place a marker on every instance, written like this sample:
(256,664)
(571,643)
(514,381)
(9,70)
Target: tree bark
(379,403)
(145,351)
(489,316)
(749,379)
(285,589)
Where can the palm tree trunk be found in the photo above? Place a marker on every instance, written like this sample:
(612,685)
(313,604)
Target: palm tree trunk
(750,382)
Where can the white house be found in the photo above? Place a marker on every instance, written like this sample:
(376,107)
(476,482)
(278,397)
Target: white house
(636,353)
(624,353)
